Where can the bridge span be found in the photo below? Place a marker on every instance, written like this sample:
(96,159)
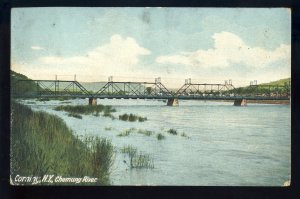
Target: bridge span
(148,90)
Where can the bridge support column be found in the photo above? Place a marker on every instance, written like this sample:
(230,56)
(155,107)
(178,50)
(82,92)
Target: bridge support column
(92,101)
(240,102)
(172,102)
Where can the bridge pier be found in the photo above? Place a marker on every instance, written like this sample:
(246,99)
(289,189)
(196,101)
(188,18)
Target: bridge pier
(172,102)
(92,101)
(240,102)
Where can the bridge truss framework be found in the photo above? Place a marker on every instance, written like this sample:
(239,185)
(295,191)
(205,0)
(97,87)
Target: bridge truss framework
(149,90)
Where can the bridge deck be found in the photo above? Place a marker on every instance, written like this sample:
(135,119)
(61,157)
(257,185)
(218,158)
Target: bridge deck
(192,97)
(147,90)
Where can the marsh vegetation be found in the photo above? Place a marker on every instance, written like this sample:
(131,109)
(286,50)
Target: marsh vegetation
(160,136)
(132,118)
(87,109)
(137,159)
(172,131)
(43,144)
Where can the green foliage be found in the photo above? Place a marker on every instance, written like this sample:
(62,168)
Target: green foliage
(129,149)
(185,135)
(75,115)
(18,86)
(42,144)
(265,89)
(142,119)
(132,118)
(160,136)
(281,82)
(123,117)
(137,160)
(145,132)
(87,109)
(54,98)
(172,131)
(125,133)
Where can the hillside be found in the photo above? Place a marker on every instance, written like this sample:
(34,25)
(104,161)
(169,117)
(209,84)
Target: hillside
(17,76)
(17,86)
(280,82)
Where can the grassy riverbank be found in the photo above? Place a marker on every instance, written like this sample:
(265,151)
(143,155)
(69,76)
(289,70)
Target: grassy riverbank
(43,144)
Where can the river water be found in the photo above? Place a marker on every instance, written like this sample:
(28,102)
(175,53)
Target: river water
(226,145)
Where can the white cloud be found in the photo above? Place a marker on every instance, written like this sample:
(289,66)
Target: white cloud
(115,57)
(37,48)
(229,49)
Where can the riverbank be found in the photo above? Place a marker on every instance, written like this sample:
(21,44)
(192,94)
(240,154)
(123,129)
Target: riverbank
(287,102)
(42,144)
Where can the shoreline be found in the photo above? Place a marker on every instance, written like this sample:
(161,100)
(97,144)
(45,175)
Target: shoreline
(285,102)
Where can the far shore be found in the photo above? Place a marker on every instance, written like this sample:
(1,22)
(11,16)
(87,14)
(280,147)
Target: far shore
(287,102)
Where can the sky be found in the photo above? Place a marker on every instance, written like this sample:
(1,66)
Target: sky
(208,45)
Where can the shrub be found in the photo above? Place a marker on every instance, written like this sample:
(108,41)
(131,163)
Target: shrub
(142,119)
(123,117)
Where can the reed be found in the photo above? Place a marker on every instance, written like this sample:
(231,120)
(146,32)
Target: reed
(75,115)
(132,118)
(125,133)
(145,132)
(43,144)
(81,109)
(137,159)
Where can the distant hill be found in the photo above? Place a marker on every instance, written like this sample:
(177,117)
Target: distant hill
(17,86)
(263,89)
(280,82)
(17,76)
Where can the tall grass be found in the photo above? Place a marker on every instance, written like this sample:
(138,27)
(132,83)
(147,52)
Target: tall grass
(132,118)
(75,115)
(145,132)
(137,159)
(86,109)
(127,132)
(123,134)
(43,144)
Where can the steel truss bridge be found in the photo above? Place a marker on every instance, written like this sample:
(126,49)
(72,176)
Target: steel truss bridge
(147,90)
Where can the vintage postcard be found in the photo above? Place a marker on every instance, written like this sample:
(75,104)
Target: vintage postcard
(150,96)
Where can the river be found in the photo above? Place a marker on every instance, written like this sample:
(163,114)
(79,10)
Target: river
(226,145)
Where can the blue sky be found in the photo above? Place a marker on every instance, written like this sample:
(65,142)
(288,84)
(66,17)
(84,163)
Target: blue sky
(209,45)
